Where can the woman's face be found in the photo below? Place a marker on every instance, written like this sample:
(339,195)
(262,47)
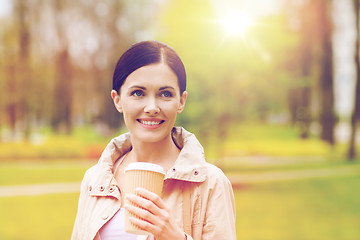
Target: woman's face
(150,101)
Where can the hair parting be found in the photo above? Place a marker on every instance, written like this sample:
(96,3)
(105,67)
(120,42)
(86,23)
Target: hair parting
(145,53)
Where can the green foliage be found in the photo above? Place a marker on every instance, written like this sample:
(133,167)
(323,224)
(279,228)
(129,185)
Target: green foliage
(58,147)
(278,148)
(230,78)
(267,140)
(85,142)
(311,209)
(246,139)
(272,140)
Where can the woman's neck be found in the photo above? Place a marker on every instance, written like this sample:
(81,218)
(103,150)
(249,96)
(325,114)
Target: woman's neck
(163,153)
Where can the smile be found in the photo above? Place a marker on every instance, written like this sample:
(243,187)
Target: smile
(150,123)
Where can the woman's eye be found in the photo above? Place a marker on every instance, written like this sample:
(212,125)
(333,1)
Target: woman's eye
(166,94)
(137,93)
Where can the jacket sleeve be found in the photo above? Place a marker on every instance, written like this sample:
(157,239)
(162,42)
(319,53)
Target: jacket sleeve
(78,223)
(220,213)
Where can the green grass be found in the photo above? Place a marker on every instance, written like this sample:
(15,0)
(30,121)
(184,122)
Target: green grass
(31,172)
(38,217)
(304,210)
(262,164)
(312,209)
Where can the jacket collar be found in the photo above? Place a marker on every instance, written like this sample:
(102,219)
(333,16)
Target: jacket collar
(190,165)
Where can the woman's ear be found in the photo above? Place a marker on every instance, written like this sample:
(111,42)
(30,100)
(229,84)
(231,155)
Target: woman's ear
(182,102)
(116,98)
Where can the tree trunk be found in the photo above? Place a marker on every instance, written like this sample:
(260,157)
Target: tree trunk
(356,112)
(111,116)
(304,113)
(24,68)
(302,92)
(327,116)
(19,108)
(62,106)
(11,105)
(61,117)
(223,123)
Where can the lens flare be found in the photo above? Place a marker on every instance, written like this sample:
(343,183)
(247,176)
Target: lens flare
(237,23)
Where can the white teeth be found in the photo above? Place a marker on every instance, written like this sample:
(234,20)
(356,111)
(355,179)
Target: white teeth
(150,123)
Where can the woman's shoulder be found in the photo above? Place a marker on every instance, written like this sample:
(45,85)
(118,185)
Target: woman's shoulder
(89,174)
(215,174)
(91,170)
(216,183)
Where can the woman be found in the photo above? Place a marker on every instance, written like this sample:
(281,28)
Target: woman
(149,85)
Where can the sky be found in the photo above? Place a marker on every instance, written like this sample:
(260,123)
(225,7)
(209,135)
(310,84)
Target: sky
(5,7)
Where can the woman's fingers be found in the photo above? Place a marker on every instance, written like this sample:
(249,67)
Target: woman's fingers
(144,225)
(151,196)
(142,213)
(154,216)
(151,217)
(144,203)
(146,206)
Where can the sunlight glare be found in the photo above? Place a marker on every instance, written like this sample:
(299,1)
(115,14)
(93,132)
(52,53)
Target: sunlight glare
(237,23)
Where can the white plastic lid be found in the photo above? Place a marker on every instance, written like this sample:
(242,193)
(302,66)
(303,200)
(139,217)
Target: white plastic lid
(145,166)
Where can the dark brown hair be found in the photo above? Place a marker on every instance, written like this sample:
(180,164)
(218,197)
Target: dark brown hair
(145,53)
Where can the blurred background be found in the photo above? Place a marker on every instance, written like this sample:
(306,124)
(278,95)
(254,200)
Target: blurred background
(274,97)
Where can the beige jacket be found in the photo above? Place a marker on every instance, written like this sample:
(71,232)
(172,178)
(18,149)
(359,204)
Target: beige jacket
(212,207)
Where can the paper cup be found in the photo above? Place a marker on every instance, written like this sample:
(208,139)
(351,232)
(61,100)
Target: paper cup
(145,175)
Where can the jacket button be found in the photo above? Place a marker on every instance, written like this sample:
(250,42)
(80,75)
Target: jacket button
(196,173)
(111,189)
(102,188)
(173,169)
(90,188)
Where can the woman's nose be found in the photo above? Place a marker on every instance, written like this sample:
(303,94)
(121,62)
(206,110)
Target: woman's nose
(152,107)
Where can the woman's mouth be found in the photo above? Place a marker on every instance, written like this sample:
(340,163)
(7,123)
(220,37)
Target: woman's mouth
(150,123)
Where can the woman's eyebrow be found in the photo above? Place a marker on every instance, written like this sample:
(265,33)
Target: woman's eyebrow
(166,87)
(137,86)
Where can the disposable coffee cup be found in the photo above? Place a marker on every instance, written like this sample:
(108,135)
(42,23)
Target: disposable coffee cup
(144,175)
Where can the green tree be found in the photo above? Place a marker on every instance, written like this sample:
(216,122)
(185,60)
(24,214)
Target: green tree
(230,79)
(313,68)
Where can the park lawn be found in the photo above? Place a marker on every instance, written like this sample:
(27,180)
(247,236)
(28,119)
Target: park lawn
(38,217)
(327,208)
(32,172)
(313,209)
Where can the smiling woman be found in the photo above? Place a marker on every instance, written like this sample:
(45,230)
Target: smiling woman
(149,90)
(150,99)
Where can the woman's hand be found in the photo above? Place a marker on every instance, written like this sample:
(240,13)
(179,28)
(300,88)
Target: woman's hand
(158,219)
